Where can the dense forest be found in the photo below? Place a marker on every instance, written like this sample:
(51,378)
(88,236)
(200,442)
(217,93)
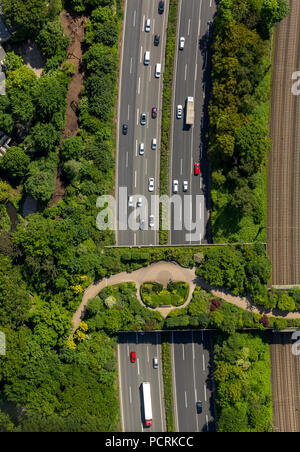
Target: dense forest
(239,140)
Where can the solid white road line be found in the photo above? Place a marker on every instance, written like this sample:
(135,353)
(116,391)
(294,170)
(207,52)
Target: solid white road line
(134,238)
(138,366)
(130,398)
(185,71)
(183,352)
(185,398)
(127,159)
(135,179)
(203,363)
(143,24)
(128,111)
(130,65)
(147,353)
(196,71)
(189,27)
(141,54)
(121,392)
(205,393)
(137,116)
(136,148)
(134,16)
(181,167)
(139,85)
(207,422)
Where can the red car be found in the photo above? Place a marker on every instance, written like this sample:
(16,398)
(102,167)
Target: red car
(197,169)
(154,112)
(133,356)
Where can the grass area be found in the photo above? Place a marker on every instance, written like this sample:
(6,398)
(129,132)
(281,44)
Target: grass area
(154,295)
(167,106)
(167,377)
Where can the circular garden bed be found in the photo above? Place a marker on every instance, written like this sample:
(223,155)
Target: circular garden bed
(154,295)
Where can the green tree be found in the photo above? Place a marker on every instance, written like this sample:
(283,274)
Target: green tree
(14,163)
(52,41)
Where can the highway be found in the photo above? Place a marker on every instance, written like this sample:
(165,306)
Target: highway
(131,375)
(192,354)
(139,92)
(284,161)
(192,78)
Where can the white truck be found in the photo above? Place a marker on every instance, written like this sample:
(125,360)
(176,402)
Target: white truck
(190,113)
(147,404)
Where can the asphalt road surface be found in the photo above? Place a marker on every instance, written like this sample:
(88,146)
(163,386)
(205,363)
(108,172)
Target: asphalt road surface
(192,380)
(139,92)
(132,375)
(284,160)
(192,79)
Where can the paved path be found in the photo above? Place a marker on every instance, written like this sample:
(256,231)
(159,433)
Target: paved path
(164,272)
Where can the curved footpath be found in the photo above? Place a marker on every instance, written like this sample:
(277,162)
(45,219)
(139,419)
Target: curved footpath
(163,273)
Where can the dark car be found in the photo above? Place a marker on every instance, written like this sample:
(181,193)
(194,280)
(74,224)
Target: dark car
(156,40)
(199,407)
(161,6)
(133,356)
(154,112)
(125,129)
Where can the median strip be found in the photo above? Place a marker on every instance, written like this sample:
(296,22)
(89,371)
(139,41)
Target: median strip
(167,109)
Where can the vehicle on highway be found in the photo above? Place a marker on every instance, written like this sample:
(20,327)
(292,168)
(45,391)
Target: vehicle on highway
(181,43)
(147,57)
(140,202)
(196,169)
(179,112)
(161,6)
(190,113)
(143,119)
(142,225)
(155,363)
(156,39)
(147,404)
(125,129)
(175,186)
(154,112)
(151,184)
(199,407)
(151,221)
(142,149)
(133,356)
(185,185)
(130,201)
(153,144)
(147,25)
(157,70)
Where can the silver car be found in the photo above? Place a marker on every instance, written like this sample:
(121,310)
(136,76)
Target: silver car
(142,225)
(151,221)
(179,111)
(143,119)
(151,184)
(175,186)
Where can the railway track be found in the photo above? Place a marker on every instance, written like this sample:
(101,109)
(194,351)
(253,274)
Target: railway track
(285,384)
(284,161)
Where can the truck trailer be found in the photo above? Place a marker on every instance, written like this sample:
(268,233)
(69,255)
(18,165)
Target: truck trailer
(189,114)
(147,404)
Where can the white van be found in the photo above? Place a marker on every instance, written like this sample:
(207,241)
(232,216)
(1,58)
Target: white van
(147,57)
(157,70)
